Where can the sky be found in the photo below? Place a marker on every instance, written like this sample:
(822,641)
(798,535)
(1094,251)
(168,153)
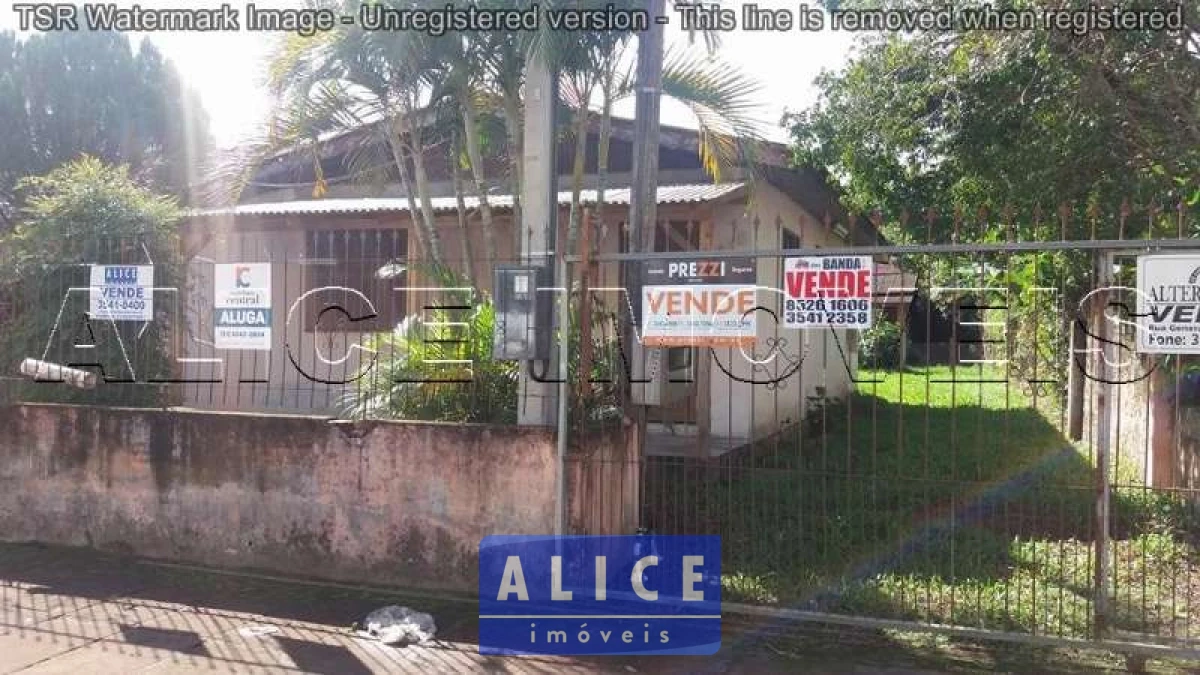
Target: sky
(226,67)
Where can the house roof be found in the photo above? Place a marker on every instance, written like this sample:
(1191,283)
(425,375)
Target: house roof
(339,142)
(667,194)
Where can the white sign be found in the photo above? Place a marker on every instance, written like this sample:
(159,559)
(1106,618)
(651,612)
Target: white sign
(242,306)
(699,303)
(828,291)
(1168,304)
(122,293)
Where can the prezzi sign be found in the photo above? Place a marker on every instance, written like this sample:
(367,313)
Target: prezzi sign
(122,293)
(828,292)
(699,303)
(639,594)
(1168,304)
(242,306)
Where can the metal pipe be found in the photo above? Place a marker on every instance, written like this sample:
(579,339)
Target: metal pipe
(1104,276)
(564,335)
(44,371)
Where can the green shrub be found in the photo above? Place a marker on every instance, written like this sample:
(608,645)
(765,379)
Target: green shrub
(83,213)
(880,345)
(434,370)
(441,369)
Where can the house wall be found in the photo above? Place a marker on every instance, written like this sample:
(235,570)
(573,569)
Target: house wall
(384,502)
(806,360)
(303,371)
(1154,441)
(295,376)
(738,408)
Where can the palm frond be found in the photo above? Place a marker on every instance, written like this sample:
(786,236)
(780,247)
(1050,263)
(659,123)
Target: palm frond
(724,101)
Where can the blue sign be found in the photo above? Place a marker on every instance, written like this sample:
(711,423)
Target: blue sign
(638,594)
(120,275)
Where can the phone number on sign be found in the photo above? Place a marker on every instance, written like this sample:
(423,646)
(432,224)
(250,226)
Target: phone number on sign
(831,318)
(121,305)
(830,305)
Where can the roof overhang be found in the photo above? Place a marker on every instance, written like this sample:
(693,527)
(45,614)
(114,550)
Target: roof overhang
(667,194)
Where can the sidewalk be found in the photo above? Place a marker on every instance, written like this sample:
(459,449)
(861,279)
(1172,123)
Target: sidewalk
(74,611)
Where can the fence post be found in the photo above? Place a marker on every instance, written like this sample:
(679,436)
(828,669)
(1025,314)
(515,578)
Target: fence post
(1076,382)
(1104,276)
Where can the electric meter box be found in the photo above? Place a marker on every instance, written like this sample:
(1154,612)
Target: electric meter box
(524,302)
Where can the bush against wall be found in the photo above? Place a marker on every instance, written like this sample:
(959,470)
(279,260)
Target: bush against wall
(84,213)
(440,367)
(438,371)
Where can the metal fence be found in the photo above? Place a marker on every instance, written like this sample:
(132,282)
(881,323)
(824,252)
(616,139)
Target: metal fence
(993,466)
(359,329)
(1009,467)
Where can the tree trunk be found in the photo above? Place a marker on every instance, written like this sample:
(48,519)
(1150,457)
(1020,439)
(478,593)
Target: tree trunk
(413,213)
(471,129)
(513,126)
(416,148)
(461,206)
(581,122)
(602,162)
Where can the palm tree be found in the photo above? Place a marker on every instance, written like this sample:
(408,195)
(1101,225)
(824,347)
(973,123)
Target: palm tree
(347,78)
(722,99)
(341,80)
(460,83)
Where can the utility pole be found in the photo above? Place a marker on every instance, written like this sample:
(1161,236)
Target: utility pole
(644,200)
(538,404)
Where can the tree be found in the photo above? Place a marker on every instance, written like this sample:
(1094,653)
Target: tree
(1029,134)
(989,118)
(81,213)
(344,78)
(72,93)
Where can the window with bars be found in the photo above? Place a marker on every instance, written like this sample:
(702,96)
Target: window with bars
(789,240)
(372,262)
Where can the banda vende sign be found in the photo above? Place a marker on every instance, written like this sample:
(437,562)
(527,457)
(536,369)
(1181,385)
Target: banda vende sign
(828,292)
(699,303)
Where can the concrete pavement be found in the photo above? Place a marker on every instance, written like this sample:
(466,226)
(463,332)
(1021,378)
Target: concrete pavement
(76,611)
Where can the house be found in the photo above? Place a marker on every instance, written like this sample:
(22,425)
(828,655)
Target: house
(356,231)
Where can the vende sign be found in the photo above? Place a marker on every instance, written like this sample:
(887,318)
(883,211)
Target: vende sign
(1168,304)
(698,303)
(122,293)
(828,292)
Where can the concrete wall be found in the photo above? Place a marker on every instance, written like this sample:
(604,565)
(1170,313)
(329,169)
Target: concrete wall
(392,503)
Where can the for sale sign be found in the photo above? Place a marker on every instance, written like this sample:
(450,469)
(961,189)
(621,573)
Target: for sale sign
(1168,304)
(122,293)
(242,307)
(828,291)
(699,303)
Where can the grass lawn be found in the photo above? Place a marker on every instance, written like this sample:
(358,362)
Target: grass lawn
(947,497)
